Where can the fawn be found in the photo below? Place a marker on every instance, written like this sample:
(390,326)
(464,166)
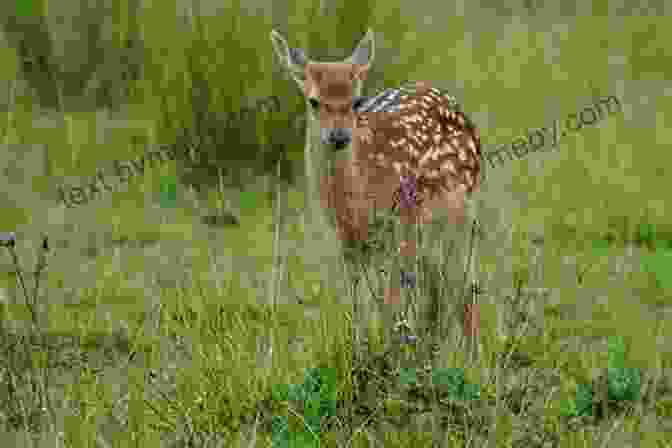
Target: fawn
(360,152)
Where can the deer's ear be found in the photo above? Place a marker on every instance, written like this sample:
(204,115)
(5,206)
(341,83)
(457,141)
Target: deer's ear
(293,59)
(364,52)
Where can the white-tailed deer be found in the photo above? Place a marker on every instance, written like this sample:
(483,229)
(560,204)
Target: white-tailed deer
(360,152)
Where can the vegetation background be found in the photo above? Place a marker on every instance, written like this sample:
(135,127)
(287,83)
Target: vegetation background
(168,323)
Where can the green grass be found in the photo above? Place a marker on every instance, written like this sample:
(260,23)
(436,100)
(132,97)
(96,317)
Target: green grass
(24,8)
(168,196)
(133,359)
(656,261)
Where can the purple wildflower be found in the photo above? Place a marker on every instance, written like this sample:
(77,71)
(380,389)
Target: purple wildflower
(409,339)
(408,191)
(7,239)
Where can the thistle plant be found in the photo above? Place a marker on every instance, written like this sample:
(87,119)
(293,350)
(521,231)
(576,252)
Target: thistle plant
(407,200)
(8,241)
(29,409)
(404,330)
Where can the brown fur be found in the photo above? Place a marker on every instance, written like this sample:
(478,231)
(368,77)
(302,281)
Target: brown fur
(426,139)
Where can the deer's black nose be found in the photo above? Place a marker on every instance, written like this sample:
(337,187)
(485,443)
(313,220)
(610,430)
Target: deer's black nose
(339,138)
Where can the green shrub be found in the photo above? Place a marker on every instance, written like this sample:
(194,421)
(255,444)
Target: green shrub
(314,399)
(458,388)
(450,380)
(623,384)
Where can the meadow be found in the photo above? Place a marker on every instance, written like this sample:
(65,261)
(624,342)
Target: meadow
(189,305)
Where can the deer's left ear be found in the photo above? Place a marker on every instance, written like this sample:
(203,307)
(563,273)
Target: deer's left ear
(294,59)
(363,54)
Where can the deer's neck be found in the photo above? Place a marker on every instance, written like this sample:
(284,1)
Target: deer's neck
(335,180)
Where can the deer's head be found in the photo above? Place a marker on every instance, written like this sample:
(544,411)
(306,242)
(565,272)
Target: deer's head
(332,89)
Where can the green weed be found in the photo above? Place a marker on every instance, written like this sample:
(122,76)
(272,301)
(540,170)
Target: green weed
(313,400)
(623,384)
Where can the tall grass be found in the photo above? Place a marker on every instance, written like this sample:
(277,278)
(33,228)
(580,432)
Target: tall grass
(196,364)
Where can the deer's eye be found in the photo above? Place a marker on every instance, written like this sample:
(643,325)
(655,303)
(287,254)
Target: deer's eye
(314,103)
(358,102)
